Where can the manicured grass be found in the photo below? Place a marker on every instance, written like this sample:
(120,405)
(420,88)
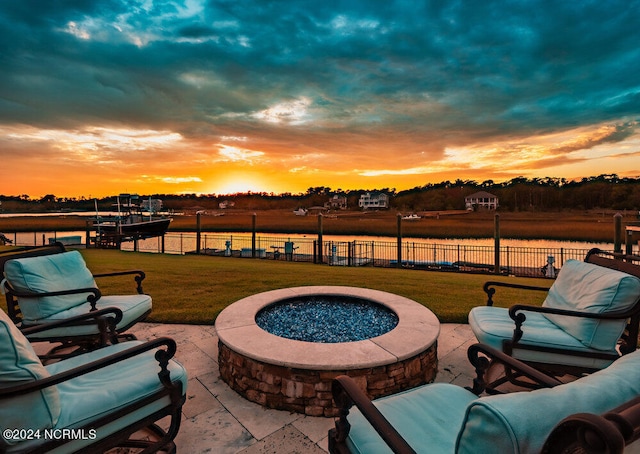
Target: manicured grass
(194,289)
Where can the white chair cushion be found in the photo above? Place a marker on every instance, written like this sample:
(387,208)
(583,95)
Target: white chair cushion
(586,287)
(50,273)
(20,364)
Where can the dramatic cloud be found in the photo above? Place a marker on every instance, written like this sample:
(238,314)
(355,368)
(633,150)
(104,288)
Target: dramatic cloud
(180,95)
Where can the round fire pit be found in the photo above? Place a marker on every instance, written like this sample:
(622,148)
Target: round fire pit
(326,318)
(295,375)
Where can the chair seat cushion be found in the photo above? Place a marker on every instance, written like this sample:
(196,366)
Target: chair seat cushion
(492,326)
(586,287)
(20,364)
(520,422)
(134,308)
(428,417)
(49,273)
(95,394)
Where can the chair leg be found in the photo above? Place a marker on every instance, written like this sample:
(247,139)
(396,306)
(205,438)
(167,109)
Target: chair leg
(502,379)
(154,442)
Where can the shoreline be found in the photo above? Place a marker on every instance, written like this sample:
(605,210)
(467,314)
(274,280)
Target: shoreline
(565,226)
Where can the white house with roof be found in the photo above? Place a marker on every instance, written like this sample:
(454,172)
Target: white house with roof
(481,200)
(373,200)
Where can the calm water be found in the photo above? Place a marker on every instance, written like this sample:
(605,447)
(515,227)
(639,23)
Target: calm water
(186,241)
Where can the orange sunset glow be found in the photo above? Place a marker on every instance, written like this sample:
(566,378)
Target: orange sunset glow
(215,97)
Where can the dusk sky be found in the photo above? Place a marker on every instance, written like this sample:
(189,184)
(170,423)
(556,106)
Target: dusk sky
(223,96)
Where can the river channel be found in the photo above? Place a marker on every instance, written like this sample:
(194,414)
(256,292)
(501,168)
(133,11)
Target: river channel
(182,242)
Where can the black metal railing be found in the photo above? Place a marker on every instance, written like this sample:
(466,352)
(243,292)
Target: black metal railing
(513,260)
(413,254)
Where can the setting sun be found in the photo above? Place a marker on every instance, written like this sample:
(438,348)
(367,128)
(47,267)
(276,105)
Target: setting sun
(240,183)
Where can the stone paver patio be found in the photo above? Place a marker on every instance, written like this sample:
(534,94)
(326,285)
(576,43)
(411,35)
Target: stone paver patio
(217,420)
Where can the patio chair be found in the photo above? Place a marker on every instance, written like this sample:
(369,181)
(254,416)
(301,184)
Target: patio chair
(589,318)
(48,284)
(442,417)
(92,402)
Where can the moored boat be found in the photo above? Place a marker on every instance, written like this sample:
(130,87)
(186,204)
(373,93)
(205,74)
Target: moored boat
(132,220)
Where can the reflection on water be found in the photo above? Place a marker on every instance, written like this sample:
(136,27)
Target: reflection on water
(180,243)
(186,242)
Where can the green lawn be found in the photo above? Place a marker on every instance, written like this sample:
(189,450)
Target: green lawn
(194,289)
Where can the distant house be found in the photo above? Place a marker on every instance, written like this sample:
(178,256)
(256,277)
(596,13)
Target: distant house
(337,202)
(226,204)
(481,200)
(375,200)
(151,205)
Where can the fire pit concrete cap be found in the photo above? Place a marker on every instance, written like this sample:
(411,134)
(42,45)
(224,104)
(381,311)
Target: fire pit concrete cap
(418,329)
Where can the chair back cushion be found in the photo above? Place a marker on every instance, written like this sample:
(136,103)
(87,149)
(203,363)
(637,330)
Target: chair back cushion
(586,287)
(520,422)
(50,273)
(20,364)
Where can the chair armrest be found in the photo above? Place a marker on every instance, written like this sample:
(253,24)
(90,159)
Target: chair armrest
(516,312)
(482,356)
(489,289)
(162,355)
(346,394)
(516,308)
(92,299)
(139,276)
(106,320)
(114,318)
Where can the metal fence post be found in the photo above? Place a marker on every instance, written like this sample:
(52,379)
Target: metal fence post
(399,248)
(320,238)
(617,232)
(198,232)
(497,243)
(253,235)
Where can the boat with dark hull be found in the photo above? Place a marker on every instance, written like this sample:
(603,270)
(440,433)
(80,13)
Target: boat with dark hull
(136,219)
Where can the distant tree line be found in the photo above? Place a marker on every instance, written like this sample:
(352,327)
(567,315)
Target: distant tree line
(606,191)
(523,194)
